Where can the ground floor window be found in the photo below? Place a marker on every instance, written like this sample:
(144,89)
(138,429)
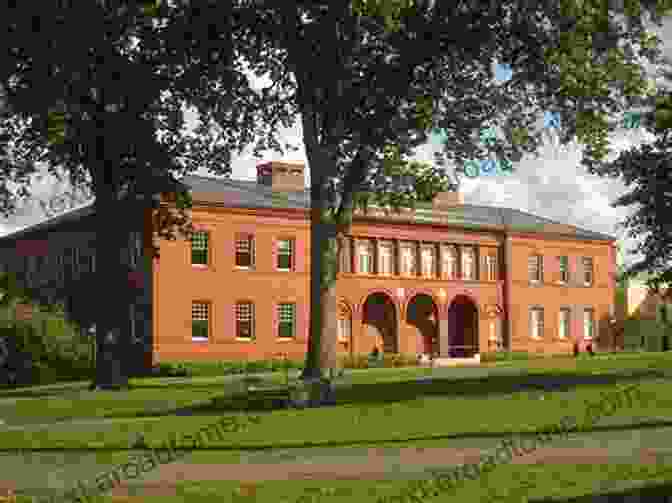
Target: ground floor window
(200,321)
(286,320)
(588,324)
(245,320)
(344,329)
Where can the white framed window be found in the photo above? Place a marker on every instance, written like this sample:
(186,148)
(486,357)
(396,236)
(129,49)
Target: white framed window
(587,270)
(468,270)
(199,248)
(244,251)
(365,254)
(537,322)
(385,258)
(245,320)
(564,323)
(344,329)
(491,267)
(286,320)
(285,254)
(588,324)
(200,321)
(535,268)
(408,260)
(564,269)
(427,257)
(449,263)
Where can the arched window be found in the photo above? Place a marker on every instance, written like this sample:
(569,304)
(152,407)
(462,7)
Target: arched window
(468,263)
(344,323)
(449,263)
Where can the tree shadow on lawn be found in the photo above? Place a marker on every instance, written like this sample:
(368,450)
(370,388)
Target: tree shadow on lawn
(395,392)
(661,493)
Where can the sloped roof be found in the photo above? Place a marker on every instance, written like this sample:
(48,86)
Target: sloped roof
(248,194)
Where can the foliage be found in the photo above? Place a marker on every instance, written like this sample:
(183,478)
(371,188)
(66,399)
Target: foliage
(646,170)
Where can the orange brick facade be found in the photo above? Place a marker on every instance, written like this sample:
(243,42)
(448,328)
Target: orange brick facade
(419,314)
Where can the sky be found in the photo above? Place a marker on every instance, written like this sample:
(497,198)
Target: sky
(554,185)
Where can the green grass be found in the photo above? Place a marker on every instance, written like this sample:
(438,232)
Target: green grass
(505,484)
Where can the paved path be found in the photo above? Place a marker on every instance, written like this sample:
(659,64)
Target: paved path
(411,463)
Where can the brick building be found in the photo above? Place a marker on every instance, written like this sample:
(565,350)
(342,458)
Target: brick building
(451,279)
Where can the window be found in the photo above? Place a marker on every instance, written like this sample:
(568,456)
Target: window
(200,326)
(491,267)
(564,323)
(468,271)
(365,258)
(244,251)
(587,271)
(535,268)
(286,320)
(386,253)
(285,254)
(449,263)
(564,269)
(588,324)
(344,330)
(408,260)
(244,320)
(199,248)
(427,262)
(537,322)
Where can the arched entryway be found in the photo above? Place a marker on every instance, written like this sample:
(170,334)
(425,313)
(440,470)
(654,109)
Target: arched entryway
(380,321)
(462,328)
(422,314)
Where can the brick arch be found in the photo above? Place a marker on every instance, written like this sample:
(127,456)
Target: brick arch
(419,291)
(472,297)
(360,305)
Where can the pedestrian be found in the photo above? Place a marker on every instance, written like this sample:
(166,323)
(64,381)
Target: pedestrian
(589,348)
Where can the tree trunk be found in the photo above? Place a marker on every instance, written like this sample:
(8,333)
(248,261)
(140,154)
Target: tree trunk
(321,352)
(112,342)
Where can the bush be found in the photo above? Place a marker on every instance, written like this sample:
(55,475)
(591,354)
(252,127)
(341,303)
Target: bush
(506,356)
(390,360)
(221,368)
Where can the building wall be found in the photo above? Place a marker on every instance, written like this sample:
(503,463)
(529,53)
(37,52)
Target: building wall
(552,295)
(178,283)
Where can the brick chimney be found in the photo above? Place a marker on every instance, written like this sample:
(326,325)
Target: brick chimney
(445,200)
(282,176)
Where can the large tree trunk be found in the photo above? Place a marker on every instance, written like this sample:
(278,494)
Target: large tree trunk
(322,337)
(111,328)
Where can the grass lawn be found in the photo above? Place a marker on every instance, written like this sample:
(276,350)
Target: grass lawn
(505,484)
(376,408)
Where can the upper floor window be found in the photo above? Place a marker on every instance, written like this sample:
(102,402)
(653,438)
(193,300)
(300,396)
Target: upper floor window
(537,322)
(491,267)
(244,320)
(564,268)
(286,320)
(199,248)
(285,254)
(385,258)
(468,269)
(449,263)
(564,323)
(244,250)
(535,268)
(365,253)
(588,324)
(408,260)
(200,321)
(427,256)
(587,270)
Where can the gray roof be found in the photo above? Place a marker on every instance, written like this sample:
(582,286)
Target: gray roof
(248,194)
